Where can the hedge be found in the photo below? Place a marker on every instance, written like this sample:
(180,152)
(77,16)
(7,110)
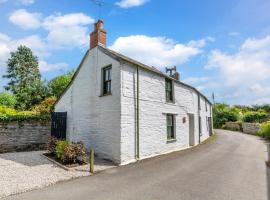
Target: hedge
(10,114)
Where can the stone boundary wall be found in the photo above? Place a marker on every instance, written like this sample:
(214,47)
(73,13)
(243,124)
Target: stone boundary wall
(251,128)
(23,136)
(235,126)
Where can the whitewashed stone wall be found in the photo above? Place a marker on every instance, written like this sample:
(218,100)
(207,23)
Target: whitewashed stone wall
(108,124)
(153,109)
(92,118)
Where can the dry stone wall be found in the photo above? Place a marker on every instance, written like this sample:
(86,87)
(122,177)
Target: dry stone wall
(251,128)
(23,136)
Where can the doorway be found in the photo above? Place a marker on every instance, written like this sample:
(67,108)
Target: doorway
(191,130)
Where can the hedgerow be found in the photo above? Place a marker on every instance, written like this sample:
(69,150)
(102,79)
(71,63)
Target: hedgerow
(10,114)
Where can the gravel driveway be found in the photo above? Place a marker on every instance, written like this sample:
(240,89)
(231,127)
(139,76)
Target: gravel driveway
(20,172)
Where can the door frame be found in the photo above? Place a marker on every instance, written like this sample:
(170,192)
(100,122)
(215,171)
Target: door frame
(191,124)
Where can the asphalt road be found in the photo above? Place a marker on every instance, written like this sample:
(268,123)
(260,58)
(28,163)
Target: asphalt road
(231,167)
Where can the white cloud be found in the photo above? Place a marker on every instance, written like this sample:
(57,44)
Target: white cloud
(46,67)
(64,31)
(25,19)
(201,43)
(197,80)
(130,3)
(156,51)
(245,72)
(233,34)
(23,2)
(34,42)
(27,2)
(68,30)
(4,49)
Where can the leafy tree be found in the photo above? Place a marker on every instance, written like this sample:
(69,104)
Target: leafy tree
(24,78)
(7,99)
(58,85)
(222,113)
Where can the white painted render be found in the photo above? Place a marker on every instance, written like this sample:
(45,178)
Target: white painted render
(152,118)
(92,118)
(108,123)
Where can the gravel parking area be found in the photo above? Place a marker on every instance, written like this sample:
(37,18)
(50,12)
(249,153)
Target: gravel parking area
(24,171)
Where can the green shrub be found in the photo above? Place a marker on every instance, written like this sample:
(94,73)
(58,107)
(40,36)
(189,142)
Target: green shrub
(265,130)
(60,149)
(45,107)
(257,116)
(8,100)
(10,114)
(70,153)
(222,114)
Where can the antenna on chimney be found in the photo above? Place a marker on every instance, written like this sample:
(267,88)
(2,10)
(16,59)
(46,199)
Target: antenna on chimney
(99,4)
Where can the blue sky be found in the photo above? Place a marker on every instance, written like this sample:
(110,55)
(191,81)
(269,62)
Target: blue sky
(218,46)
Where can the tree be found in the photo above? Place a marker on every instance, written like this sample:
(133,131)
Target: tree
(24,78)
(58,85)
(7,99)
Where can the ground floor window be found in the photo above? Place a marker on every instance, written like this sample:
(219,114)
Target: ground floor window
(170,126)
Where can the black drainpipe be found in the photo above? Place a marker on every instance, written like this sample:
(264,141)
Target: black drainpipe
(137,119)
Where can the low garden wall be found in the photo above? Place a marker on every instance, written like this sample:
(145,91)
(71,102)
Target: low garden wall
(23,136)
(250,128)
(235,126)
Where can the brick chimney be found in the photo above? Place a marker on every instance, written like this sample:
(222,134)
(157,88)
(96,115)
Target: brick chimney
(98,36)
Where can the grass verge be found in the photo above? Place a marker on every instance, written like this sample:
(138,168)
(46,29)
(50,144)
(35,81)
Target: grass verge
(211,139)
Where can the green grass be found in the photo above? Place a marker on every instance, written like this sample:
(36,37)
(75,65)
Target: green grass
(211,139)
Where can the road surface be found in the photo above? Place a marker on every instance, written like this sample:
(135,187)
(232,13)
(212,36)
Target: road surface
(230,168)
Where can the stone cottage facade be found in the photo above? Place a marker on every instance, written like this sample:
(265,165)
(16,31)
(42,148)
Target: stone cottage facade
(126,110)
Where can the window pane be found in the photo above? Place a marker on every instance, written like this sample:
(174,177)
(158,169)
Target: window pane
(169,120)
(169,90)
(169,132)
(109,87)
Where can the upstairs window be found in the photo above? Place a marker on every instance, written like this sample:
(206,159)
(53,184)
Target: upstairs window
(170,127)
(107,81)
(169,90)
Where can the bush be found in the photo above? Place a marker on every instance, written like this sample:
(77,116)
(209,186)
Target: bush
(258,116)
(222,114)
(70,153)
(51,145)
(8,100)
(265,130)
(45,107)
(10,114)
(60,149)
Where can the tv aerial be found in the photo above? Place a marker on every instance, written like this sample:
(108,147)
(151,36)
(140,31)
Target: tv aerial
(99,4)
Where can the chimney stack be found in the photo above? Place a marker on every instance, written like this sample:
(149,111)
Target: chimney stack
(98,36)
(173,72)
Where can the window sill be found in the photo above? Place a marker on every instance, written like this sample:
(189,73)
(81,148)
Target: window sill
(103,95)
(170,103)
(171,140)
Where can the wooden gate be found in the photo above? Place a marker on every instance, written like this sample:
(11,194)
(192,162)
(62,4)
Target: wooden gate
(59,125)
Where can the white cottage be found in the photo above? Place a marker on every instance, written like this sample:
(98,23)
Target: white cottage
(126,110)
